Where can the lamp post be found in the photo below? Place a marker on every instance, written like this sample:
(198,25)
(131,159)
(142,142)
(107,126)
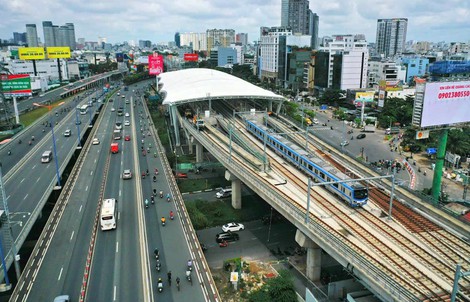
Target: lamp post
(77,120)
(55,154)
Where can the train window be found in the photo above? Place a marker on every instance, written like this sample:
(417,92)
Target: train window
(336,185)
(310,167)
(316,171)
(322,175)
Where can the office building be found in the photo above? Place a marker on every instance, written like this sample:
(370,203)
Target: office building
(44,68)
(242,38)
(226,56)
(71,36)
(219,37)
(415,67)
(391,36)
(31,35)
(49,35)
(177,39)
(145,44)
(296,15)
(272,53)
(19,38)
(314,23)
(342,63)
(385,70)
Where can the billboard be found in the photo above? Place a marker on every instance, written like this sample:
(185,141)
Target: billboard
(16,85)
(31,53)
(367,96)
(119,57)
(58,52)
(155,64)
(446,103)
(191,57)
(390,85)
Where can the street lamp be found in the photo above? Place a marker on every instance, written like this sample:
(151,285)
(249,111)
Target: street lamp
(77,123)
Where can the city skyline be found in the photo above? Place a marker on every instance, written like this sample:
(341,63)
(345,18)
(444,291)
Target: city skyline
(434,22)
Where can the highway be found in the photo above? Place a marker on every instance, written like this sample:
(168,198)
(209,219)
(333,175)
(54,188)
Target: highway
(122,267)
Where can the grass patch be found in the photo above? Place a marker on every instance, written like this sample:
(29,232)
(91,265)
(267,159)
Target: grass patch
(207,214)
(32,116)
(191,185)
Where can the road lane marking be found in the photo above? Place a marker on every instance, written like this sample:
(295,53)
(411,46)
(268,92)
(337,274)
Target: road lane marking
(34,166)
(71,236)
(117,247)
(119,215)
(79,210)
(114,299)
(37,180)
(25,197)
(91,173)
(60,274)
(119,193)
(86,189)
(22,180)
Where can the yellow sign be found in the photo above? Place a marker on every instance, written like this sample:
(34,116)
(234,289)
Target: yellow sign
(58,52)
(367,96)
(233,277)
(31,53)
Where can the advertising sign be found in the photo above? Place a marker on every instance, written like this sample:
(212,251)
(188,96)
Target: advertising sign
(119,57)
(191,57)
(446,103)
(155,64)
(58,52)
(16,85)
(422,134)
(390,85)
(31,53)
(367,96)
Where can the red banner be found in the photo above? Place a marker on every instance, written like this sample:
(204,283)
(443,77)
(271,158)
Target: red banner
(191,57)
(155,64)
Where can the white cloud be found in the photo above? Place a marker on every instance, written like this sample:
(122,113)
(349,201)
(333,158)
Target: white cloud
(158,21)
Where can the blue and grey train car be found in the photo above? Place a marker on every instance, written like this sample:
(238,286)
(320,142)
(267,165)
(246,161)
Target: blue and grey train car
(353,193)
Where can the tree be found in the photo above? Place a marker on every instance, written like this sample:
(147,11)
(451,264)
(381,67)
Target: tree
(396,110)
(279,289)
(332,97)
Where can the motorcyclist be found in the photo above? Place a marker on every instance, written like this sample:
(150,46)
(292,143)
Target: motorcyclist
(169,277)
(171,215)
(160,284)
(178,282)
(190,264)
(32,138)
(9,152)
(158,265)
(147,171)
(163,220)
(19,142)
(152,199)
(168,196)
(161,194)
(156,252)
(146,203)
(154,178)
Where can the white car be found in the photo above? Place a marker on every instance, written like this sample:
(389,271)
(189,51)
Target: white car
(233,227)
(112,109)
(118,126)
(67,133)
(95,141)
(127,174)
(127,123)
(127,114)
(344,143)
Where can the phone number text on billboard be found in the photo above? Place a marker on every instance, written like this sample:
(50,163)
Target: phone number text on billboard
(453,94)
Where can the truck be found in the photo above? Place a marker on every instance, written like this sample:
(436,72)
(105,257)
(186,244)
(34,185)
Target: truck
(114,148)
(392,130)
(369,128)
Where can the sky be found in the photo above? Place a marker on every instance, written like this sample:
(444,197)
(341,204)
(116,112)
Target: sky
(157,21)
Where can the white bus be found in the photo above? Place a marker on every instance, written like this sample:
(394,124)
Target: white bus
(108,217)
(84,109)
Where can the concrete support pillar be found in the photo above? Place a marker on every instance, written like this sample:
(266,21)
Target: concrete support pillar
(174,122)
(190,144)
(279,106)
(313,268)
(270,105)
(236,190)
(199,152)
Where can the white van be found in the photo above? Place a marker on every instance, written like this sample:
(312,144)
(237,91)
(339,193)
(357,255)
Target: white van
(46,157)
(224,193)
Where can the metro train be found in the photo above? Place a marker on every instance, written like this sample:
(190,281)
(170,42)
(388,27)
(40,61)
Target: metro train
(353,193)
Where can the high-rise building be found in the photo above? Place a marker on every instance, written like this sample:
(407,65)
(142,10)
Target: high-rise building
(219,37)
(62,39)
(391,36)
(71,36)
(314,22)
(177,39)
(145,44)
(197,41)
(298,16)
(242,38)
(49,37)
(31,35)
(272,53)
(19,38)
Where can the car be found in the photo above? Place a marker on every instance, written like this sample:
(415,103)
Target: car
(127,174)
(127,123)
(68,133)
(78,122)
(226,236)
(127,114)
(181,175)
(344,143)
(233,227)
(110,100)
(118,93)
(118,126)
(361,136)
(62,298)
(127,138)
(123,96)
(112,109)
(95,141)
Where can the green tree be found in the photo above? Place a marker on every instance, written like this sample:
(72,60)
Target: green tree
(396,110)
(332,97)
(458,141)
(279,289)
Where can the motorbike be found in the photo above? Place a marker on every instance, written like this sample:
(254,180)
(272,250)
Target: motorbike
(9,152)
(156,171)
(160,285)
(152,199)
(143,175)
(223,244)
(157,254)
(350,131)
(163,221)
(154,192)
(172,216)
(158,266)
(146,203)
(190,265)
(155,154)
(154,178)
(161,194)
(147,172)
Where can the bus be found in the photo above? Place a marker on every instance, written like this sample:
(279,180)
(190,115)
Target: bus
(108,216)
(84,109)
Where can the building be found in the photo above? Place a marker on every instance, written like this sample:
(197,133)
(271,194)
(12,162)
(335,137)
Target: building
(19,38)
(145,44)
(226,56)
(314,23)
(71,36)
(342,63)
(272,53)
(219,37)
(242,38)
(198,41)
(297,67)
(177,39)
(415,67)
(298,16)
(391,36)
(385,70)
(45,68)
(450,70)
(49,36)
(31,35)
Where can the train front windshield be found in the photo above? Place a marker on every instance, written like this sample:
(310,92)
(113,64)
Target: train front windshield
(360,194)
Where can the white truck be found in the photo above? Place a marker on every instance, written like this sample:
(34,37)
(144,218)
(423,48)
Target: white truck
(369,128)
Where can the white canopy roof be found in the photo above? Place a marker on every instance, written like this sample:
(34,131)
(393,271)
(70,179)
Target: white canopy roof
(198,84)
